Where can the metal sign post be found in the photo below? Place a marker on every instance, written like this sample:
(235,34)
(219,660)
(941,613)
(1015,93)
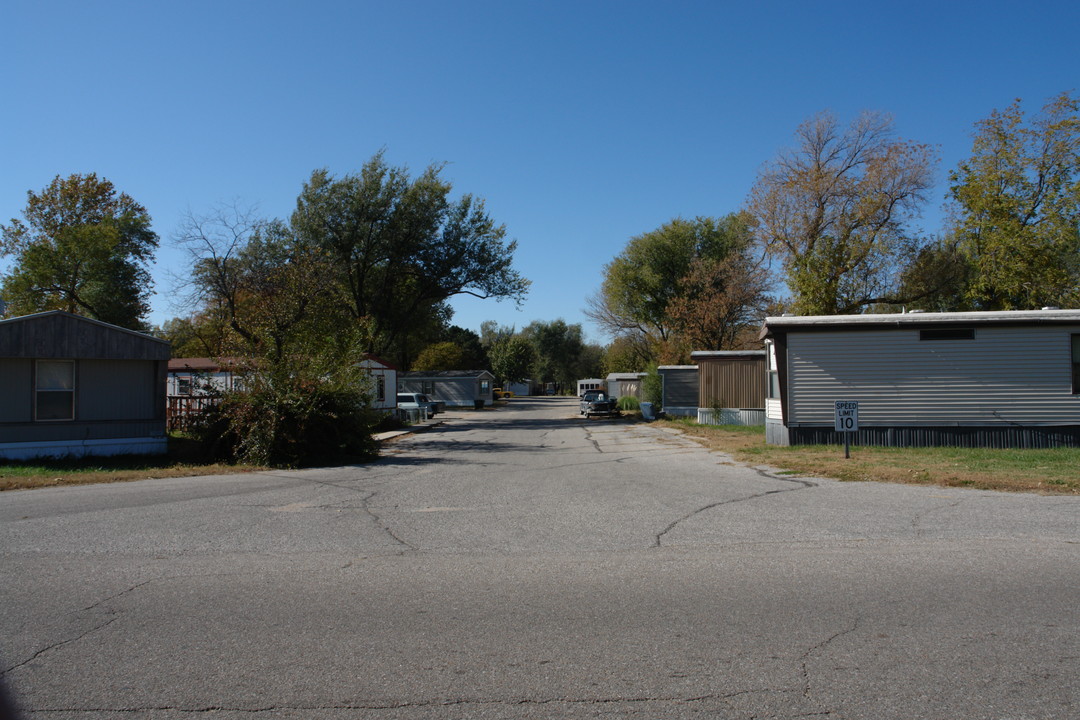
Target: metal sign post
(846,420)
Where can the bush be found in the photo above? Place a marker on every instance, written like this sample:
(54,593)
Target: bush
(652,387)
(289,418)
(629,403)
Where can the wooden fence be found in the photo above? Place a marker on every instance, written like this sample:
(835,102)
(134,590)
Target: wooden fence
(184,410)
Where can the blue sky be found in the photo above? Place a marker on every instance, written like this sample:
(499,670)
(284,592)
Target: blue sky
(580,123)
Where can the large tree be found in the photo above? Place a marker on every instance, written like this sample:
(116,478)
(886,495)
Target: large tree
(512,358)
(834,211)
(273,292)
(658,292)
(401,246)
(1018,208)
(560,351)
(84,248)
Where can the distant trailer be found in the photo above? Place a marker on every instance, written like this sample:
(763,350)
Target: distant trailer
(583,386)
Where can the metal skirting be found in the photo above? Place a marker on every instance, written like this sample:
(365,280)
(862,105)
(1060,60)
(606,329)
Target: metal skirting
(730,416)
(987,437)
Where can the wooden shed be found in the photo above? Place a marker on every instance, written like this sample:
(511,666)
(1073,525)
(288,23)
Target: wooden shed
(973,379)
(72,386)
(731,387)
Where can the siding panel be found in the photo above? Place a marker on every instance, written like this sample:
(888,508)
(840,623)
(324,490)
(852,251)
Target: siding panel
(732,382)
(1005,376)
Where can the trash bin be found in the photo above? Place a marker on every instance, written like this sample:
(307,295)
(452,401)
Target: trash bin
(647,411)
(478,404)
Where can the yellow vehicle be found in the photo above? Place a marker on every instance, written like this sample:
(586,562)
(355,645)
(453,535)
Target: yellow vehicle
(501,394)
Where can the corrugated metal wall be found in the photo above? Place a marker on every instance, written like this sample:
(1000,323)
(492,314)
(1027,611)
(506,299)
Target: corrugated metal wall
(970,437)
(732,382)
(680,387)
(1005,376)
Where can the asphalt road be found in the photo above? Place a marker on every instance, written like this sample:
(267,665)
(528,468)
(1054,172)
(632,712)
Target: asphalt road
(524,563)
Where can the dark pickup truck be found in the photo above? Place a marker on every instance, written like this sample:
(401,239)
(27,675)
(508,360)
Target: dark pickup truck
(597,402)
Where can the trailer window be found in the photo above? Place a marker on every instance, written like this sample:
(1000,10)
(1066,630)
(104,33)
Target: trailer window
(55,390)
(773,374)
(947,334)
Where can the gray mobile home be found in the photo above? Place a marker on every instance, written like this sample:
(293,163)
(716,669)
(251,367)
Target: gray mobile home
(972,379)
(71,386)
(680,390)
(731,387)
(456,388)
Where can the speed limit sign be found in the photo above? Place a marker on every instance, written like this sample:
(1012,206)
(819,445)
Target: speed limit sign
(846,415)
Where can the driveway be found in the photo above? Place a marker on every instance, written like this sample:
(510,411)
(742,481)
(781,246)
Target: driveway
(525,563)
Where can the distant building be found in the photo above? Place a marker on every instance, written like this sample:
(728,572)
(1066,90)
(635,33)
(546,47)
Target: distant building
(455,388)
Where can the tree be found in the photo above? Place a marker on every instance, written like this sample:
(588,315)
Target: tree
(512,358)
(194,336)
(654,291)
(83,248)
(440,356)
(273,290)
(1018,208)
(559,349)
(401,246)
(833,211)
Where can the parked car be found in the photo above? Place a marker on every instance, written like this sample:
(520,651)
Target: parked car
(500,394)
(598,402)
(420,401)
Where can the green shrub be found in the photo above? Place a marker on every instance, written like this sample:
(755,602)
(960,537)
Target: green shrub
(629,403)
(652,386)
(289,417)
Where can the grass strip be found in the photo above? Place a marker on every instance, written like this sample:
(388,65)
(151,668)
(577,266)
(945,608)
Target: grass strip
(1048,471)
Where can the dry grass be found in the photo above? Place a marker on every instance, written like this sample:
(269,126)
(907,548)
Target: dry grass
(180,462)
(1054,471)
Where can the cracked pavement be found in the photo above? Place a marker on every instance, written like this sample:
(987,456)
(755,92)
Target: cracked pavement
(525,563)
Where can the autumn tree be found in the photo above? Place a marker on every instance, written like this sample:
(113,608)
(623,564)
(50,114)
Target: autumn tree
(834,210)
(1017,201)
(662,292)
(84,248)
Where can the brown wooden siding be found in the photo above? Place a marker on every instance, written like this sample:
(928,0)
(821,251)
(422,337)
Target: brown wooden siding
(737,382)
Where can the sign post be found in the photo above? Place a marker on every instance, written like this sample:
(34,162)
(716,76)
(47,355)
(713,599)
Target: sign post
(846,420)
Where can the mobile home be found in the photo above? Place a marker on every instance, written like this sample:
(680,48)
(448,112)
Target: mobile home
(973,379)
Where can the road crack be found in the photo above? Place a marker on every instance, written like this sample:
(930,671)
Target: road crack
(802,485)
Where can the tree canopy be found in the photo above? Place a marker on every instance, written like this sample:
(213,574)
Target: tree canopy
(689,284)
(1017,201)
(400,246)
(82,248)
(833,210)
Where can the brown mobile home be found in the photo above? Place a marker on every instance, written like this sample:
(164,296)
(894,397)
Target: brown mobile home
(731,387)
(71,386)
